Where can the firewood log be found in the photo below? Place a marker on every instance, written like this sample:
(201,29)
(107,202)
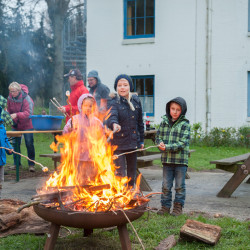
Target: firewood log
(195,230)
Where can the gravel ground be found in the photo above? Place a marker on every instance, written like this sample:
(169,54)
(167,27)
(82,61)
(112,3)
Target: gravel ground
(202,188)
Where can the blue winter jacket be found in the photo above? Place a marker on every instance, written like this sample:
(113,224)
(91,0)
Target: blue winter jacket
(4,142)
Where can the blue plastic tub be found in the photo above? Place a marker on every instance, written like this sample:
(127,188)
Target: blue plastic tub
(46,122)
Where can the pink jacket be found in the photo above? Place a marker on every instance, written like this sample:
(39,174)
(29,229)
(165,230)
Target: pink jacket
(85,122)
(23,106)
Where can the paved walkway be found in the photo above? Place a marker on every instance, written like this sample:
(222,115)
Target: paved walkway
(202,188)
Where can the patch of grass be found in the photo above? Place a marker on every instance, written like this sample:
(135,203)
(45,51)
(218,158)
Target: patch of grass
(151,228)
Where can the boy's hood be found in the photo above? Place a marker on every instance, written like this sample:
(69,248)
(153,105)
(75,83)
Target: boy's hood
(181,102)
(80,100)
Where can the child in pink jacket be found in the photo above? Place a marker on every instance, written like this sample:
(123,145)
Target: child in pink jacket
(81,123)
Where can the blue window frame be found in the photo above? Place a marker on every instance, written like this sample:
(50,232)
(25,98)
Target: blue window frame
(139,18)
(248,94)
(144,86)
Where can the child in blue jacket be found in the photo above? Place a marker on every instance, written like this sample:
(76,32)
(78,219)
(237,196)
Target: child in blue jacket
(3,143)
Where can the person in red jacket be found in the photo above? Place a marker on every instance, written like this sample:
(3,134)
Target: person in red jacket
(77,89)
(20,106)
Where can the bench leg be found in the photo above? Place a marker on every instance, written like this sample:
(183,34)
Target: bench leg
(144,186)
(55,165)
(239,176)
(248,181)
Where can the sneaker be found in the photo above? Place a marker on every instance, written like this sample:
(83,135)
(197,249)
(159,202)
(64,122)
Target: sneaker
(177,210)
(164,210)
(14,167)
(31,168)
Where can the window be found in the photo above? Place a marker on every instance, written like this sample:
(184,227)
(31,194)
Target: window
(139,18)
(144,86)
(248,95)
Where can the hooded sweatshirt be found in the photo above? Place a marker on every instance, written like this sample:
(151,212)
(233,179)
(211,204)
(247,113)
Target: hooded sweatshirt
(23,106)
(175,135)
(82,121)
(4,142)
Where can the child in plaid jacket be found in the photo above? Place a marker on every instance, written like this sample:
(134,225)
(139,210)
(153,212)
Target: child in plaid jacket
(7,120)
(173,138)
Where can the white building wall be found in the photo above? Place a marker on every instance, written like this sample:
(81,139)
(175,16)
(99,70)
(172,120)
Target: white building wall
(177,55)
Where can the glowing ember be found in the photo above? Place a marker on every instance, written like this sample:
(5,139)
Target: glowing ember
(93,184)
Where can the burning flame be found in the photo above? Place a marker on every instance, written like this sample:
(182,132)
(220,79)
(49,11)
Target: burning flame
(93,183)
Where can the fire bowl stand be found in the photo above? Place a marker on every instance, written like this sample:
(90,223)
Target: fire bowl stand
(54,231)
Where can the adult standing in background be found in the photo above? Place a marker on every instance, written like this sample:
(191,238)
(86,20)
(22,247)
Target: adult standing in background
(20,106)
(98,90)
(77,89)
(126,119)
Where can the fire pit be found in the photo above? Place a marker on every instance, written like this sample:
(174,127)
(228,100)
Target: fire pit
(88,194)
(88,221)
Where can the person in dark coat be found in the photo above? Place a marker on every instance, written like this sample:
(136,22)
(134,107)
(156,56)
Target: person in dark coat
(20,106)
(126,121)
(98,90)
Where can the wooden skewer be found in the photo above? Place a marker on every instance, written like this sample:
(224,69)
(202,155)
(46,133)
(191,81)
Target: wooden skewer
(57,106)
(57,102)
(54,104)
(137,150)
(45,169)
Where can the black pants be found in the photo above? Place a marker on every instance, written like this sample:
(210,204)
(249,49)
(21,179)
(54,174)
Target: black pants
(126,162)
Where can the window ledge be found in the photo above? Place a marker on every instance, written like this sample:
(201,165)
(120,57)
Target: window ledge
(248,34)
(140,41)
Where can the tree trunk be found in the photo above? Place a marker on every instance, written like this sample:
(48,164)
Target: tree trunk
(57,12)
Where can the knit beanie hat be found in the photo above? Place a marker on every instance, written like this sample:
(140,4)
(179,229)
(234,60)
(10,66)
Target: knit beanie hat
(93,73)
(128,78)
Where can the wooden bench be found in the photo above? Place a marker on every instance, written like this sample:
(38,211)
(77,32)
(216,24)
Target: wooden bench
(56,157)
(240,166)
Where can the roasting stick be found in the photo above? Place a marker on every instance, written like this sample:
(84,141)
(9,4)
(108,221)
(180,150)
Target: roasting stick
(133,229)
(56,106)
(60,106)
(44,169)
(57,102)
(137,150)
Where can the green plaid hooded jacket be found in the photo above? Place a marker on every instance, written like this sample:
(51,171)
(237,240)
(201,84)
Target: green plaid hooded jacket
(175,135)
(5,115)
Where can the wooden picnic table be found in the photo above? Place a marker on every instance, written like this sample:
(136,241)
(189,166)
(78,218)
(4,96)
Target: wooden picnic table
(13,134)
(240,166)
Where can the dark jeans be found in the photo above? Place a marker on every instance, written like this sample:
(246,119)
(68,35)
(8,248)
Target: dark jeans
(171,173)
(29,142)
(126,162)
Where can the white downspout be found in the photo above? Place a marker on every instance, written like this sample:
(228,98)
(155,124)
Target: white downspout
(208,63)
